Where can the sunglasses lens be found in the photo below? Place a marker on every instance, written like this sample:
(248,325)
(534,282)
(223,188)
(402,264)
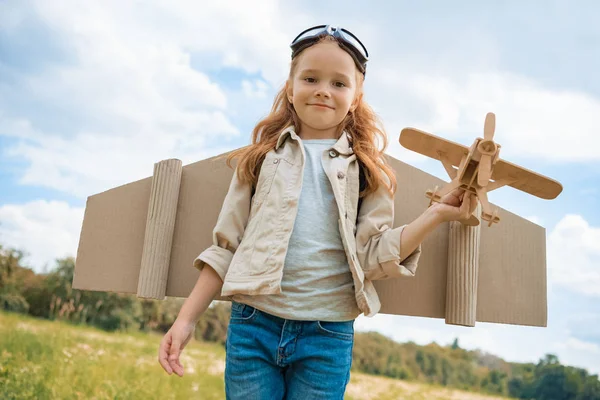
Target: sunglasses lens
(309,33)
(354,43)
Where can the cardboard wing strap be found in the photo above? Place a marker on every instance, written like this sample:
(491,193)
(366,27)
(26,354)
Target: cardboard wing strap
(143,237)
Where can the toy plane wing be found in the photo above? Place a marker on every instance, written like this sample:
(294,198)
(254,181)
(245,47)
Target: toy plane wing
(526,180)
(431,146)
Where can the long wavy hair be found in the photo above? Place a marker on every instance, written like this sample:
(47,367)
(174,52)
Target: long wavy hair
(364,126)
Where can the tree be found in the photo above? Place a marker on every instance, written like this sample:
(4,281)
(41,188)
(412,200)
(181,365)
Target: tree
(555,381)
(455,345)
(591,389)
(212,325)
(447,372)
(11,281)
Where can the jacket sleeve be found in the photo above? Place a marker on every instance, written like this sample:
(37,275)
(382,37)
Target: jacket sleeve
(377,242)
(229,229)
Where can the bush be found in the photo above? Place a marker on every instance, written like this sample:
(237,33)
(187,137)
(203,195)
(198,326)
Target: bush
(13,302)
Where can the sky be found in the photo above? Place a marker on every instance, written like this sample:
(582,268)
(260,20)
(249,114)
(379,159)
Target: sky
(91,96)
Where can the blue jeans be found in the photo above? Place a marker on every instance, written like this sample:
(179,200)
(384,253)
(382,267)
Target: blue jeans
(271,358)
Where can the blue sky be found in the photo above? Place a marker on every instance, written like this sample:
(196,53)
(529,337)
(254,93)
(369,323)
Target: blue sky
(92,96)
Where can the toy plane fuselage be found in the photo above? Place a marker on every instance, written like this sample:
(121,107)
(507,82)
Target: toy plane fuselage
(468,171)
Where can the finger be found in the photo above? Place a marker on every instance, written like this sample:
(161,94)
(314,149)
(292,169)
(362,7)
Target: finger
(174,356)
(466,205)
(179,368)
(457,192)
(474,202)
(453,198)
(163,352)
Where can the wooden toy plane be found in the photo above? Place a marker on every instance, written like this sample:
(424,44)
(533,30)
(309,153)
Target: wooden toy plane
(479,168)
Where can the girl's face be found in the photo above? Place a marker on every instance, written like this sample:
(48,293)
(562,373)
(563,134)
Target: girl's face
(323,89)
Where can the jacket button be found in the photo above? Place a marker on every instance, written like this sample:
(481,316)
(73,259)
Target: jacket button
(333,153)
(275,161)
(341,175)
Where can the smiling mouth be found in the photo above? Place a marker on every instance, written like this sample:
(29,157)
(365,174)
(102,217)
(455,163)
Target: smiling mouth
(321,106)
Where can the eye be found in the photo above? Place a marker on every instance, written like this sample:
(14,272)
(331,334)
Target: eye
(340,84)
(310,79)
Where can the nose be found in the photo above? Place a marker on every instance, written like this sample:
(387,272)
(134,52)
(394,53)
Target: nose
(322,91)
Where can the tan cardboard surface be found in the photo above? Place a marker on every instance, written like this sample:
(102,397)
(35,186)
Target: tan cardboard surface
(512,274)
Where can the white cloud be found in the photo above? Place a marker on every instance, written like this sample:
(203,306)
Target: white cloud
(573,253)
(136,81)
(45,230)
(92,162)
(580,345)
(134,86)
(255,90)
(531,120)
(236,34)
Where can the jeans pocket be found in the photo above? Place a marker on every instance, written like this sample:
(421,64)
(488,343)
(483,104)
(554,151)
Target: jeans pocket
(342,330)
(241,312)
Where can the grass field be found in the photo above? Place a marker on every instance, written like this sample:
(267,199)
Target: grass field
(52,360)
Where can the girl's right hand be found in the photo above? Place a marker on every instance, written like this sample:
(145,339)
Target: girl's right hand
(456,206)
(172,344)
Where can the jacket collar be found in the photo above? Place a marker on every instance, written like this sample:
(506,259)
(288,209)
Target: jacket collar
(342,146)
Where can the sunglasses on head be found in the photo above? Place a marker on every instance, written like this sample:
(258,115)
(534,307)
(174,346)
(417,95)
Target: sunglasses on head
(345,39)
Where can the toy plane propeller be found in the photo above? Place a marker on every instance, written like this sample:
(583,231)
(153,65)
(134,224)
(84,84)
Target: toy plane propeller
(479,169)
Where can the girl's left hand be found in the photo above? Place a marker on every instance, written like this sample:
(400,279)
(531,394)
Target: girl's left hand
(456,206)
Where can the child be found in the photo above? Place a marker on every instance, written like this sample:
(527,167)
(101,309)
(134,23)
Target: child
(304,230)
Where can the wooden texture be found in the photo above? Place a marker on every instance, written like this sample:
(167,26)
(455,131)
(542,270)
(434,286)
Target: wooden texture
(526,180)
(432,146)
(523,179)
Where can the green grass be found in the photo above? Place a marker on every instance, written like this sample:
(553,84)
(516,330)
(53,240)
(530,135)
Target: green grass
(53,360)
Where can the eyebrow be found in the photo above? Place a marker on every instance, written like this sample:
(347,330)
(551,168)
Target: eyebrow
(338,74)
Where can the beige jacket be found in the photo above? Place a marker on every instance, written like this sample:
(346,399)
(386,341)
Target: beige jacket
(252,232)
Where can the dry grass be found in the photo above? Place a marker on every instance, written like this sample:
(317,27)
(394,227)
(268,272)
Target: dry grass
(368,387)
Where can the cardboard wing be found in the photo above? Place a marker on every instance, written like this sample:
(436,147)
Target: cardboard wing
(142,238)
